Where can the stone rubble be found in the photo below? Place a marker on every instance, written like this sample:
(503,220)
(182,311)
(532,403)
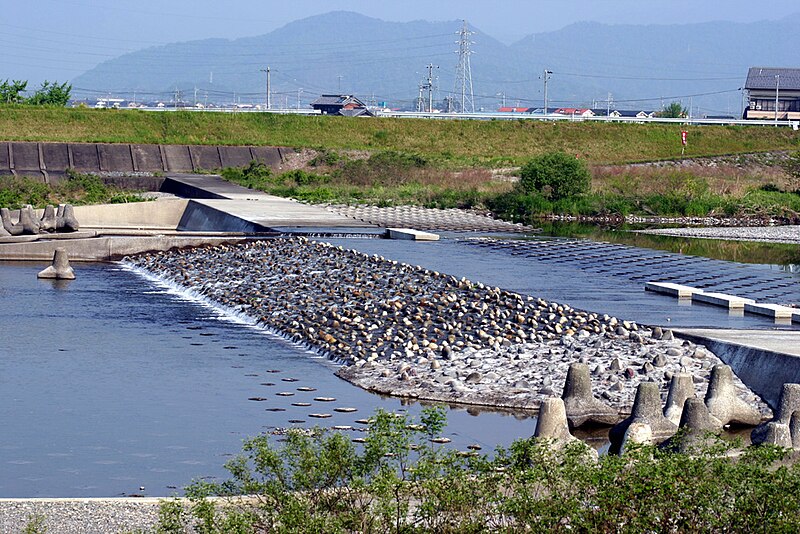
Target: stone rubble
(407,331)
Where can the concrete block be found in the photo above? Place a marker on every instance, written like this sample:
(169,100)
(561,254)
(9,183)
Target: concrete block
(147,158)
(85,157)
(116,157)
(409,234)
(26,156)
(722,300)
(5,162)
(56,156)
(673,290)
(206,157)
(178,158)
(268,155)
(235,156)
(775,311)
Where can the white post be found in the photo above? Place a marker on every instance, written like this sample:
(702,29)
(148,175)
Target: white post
(777,89)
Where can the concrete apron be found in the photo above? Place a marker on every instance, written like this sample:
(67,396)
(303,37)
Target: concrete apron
(763,359)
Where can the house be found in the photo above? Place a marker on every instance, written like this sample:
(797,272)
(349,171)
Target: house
(575,112)
(344,105)
(507,109)
(633,114)
(765,86)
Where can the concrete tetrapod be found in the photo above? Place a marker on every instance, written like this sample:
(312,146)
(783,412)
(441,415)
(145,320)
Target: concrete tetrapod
(722,401)
(788,405)
(636,434)
(697,428)
(28,220)
(681,387)
(65,219)
(48,221)
(8,225)
(580,404)
(552,424)
(646,409)
(60,269)
(794,430)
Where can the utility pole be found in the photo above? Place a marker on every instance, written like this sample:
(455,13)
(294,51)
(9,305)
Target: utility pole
(430,67)
(269,91)
(299,91)
(777,90)
(546,76)
(340,83)
(464,70)
(608,106)
(503,96)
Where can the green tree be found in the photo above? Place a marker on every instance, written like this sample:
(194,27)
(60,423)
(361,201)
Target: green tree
(555,175)
(11,91)
(51,94)
(673,111)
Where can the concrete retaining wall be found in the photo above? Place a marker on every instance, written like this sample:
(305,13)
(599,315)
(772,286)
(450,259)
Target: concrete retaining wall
(162,214)
(46,160)
(763,371)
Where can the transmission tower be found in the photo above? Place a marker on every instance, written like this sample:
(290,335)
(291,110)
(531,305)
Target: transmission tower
(463,88)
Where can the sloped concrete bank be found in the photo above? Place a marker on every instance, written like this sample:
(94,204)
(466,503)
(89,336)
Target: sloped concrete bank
(407,331)
(48,161)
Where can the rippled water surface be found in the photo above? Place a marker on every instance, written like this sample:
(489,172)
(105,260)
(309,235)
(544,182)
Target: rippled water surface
(109,383)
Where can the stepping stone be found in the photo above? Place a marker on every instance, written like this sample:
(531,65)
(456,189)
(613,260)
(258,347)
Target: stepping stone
(324,399)
(257,399)
(302,404)
(306,388)
(320,415)
(345,410)
(285,394)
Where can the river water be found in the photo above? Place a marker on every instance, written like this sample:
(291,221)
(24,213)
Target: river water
(110,382)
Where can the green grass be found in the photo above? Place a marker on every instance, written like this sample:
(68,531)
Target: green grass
(77,189)
(456,143)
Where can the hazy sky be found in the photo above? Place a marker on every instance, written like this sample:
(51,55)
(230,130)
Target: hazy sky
(60,39)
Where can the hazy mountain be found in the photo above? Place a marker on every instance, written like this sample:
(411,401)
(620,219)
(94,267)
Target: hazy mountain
(367,56)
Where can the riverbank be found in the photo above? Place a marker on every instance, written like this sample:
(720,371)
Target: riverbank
(407,331)
(767,234)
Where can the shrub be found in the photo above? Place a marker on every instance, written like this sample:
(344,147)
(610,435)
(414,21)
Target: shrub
(555,175)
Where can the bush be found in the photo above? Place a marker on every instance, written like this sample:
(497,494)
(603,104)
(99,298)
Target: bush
(399,481)
(556,176)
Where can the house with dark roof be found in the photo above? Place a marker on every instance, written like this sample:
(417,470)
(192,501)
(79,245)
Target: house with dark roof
(345,105)
(575,112)
(773,93)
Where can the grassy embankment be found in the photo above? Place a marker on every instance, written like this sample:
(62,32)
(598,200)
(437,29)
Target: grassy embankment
(446,163)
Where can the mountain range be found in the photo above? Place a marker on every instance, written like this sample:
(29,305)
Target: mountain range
(592,64)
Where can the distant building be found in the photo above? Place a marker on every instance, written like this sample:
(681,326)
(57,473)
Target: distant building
(507,109)
(575,112)
(345,105)
(765,85)
(633,114)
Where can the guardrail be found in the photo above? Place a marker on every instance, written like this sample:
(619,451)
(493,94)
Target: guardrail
(795,125)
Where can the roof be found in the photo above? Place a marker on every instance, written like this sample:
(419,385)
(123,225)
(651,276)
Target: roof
(507,109)
(337,100)
(357,112)
(765,78)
